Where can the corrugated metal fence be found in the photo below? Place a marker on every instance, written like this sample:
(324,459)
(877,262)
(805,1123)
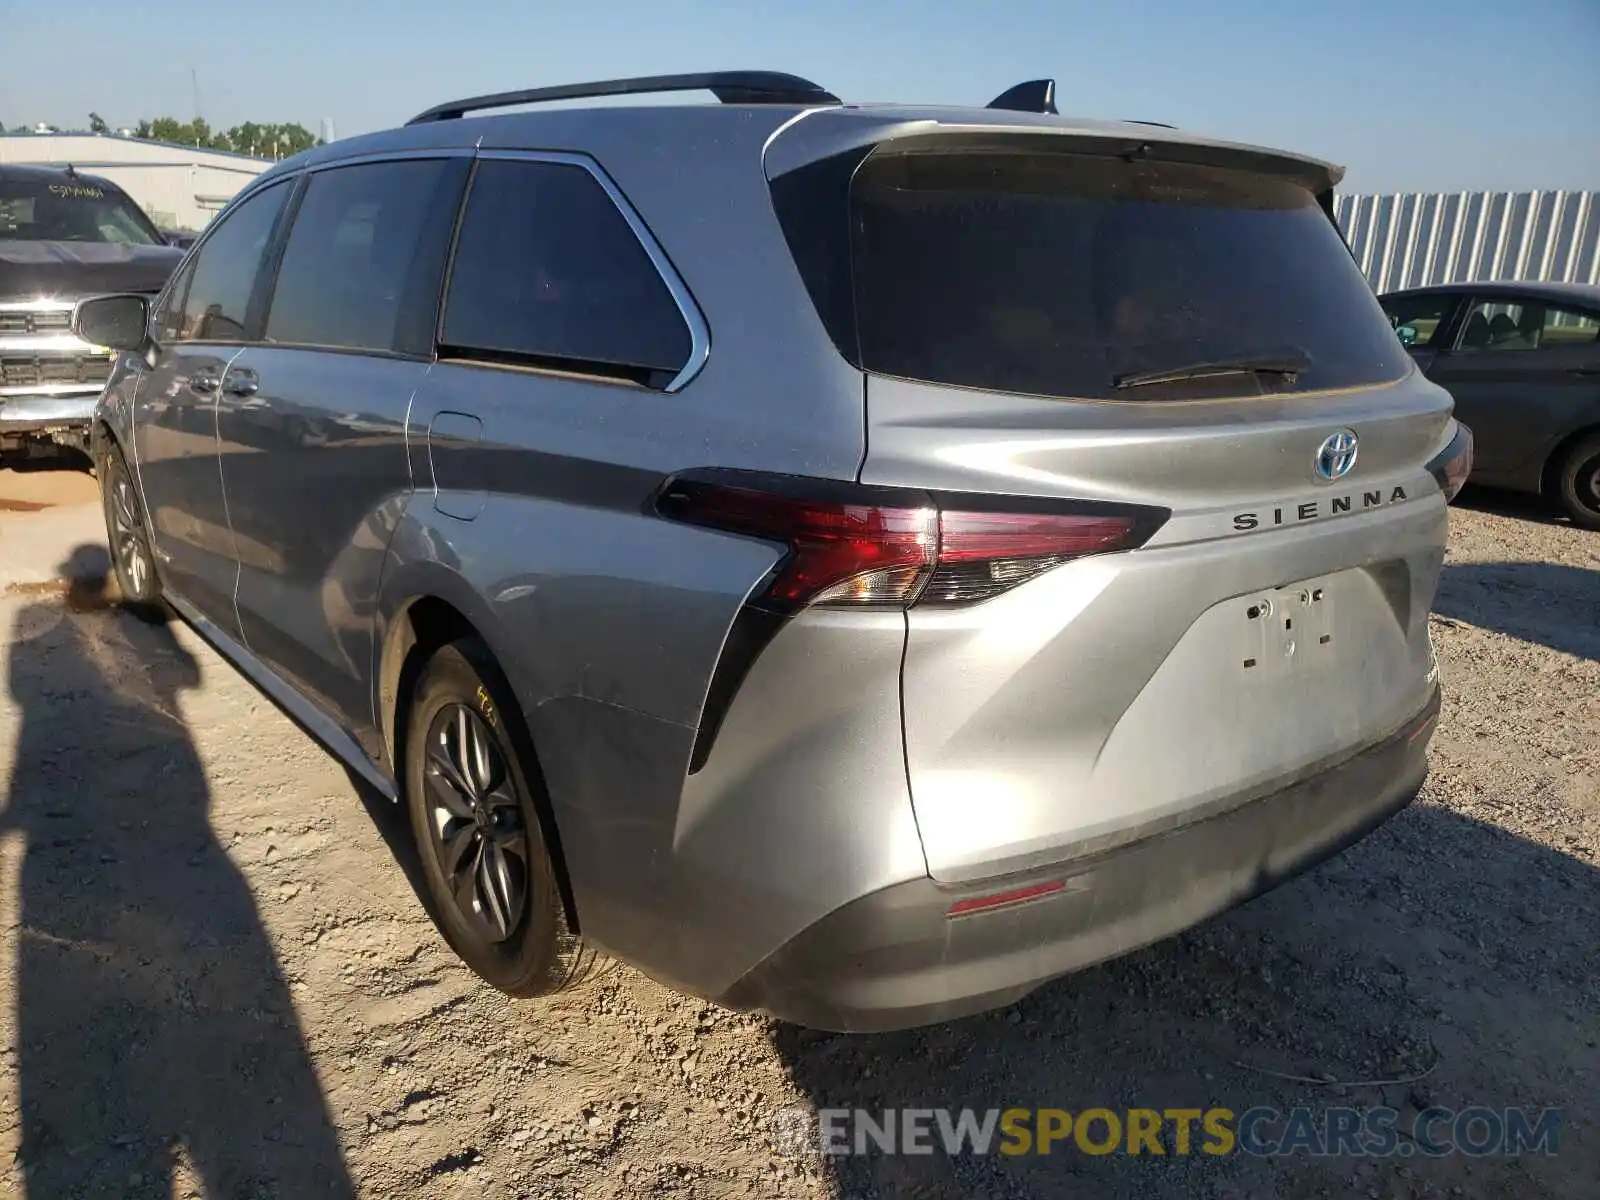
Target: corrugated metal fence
(1410,240)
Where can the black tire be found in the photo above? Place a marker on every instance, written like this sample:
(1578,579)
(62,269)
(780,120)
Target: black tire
(500,908)
(1578,482)
(128,538)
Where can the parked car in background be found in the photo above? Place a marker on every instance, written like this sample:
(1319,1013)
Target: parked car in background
(1523,363)
(181,238)
(63,236)
(858,562)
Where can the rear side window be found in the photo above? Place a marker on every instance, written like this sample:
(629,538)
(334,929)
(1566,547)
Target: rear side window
(1063,274)
(212,303)
(1527,325)
(549,273)
(363,262)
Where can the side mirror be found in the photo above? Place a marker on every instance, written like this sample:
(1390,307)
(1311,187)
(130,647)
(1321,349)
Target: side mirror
(116,322)
(1407,334)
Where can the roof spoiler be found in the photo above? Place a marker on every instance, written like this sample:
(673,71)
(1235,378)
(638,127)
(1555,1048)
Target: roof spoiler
(730,87)
(1034,96)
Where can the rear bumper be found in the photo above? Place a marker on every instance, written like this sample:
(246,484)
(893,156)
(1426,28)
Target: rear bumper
(896,959)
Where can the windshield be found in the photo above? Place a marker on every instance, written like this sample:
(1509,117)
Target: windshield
(1061,274)
(66,210)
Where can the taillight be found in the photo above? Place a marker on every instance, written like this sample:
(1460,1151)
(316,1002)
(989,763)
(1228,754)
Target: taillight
(861,546)
(981,554)
(1453,464)
(844,549)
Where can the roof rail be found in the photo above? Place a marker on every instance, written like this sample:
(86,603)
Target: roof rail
(1035,96)
(730,87)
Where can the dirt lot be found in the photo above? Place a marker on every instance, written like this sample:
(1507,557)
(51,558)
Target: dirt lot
(216,978)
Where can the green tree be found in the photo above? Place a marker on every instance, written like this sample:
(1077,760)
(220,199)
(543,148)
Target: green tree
(165,129)
(249,137)
(284,140)
(97,124)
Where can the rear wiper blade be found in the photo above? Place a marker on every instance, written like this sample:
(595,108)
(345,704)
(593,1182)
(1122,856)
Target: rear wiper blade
(1288,364)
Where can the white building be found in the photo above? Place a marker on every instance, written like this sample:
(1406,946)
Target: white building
(1411,240)
(181,187)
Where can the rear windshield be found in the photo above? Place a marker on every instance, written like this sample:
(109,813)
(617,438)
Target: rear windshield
(71,210)
(1068,275)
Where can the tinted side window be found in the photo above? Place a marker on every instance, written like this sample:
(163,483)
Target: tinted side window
(1416,319)
(216,295)
(1529,325)
(362,264)
(1568,327)
(168,321)
(548,272)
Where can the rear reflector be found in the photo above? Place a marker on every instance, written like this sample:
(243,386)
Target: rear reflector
(975,904)
(1422,728)
(859,546)
(1453,464)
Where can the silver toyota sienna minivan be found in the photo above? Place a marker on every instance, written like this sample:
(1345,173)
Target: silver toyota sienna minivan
(856,562)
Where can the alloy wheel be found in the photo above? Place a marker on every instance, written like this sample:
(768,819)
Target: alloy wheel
(128,534)
(478,832)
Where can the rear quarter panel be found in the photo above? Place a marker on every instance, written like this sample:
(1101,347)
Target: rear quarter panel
(609,622)
(607,625)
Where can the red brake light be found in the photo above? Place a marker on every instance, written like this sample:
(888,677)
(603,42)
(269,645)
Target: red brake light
(846,553)
(854,545)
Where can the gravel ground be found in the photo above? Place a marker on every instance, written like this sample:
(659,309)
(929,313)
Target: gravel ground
(217,979)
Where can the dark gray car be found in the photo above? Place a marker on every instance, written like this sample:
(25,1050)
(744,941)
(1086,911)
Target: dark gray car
(1523,363)
(853,561)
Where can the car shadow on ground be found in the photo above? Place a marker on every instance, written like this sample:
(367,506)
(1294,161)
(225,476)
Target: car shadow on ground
(1550,604)
(1524,506)
(1372,968)
(156,1041)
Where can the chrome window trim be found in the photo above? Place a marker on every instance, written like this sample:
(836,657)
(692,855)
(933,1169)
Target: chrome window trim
(688,309)
(682,297)
(375,156)
(267,178)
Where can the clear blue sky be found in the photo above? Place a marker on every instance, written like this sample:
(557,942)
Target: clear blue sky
(1422,95)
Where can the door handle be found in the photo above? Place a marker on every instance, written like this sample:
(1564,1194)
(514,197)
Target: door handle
(1595,370)
(202,383)
(241,383)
